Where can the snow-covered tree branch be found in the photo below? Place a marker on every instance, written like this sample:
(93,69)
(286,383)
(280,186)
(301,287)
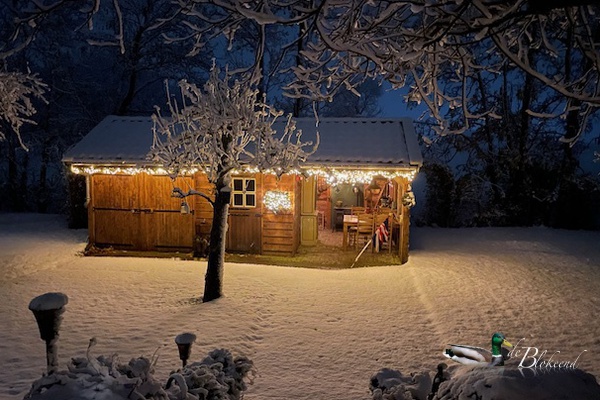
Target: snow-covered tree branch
(221,128)
(429,46)
(17,93)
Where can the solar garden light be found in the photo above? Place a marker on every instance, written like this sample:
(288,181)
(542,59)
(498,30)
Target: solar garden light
(48,309)
(184,345)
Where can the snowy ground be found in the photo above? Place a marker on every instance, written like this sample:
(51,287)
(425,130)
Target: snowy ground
(313,334)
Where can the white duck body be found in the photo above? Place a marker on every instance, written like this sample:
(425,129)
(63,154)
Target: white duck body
(469,355)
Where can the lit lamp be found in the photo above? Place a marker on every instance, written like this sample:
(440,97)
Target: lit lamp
(184,343)
(185,207)
(48,309)
(374,188)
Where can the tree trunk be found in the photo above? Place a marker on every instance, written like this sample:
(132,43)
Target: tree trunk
(213,282)
(42,191)
(134,59)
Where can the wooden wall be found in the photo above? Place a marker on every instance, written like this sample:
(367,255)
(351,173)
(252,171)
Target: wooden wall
(137,212)
(281,231)
(255,230)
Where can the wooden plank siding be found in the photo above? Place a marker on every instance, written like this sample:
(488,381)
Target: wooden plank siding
(138,212)
(204,210)
(280,232)
(277,233)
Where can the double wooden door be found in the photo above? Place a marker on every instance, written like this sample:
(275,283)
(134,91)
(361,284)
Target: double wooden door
(137,212)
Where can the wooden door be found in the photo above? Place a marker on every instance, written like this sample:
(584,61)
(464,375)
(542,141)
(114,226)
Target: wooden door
(114,220)
(162,224)
(243,234)
(137,212)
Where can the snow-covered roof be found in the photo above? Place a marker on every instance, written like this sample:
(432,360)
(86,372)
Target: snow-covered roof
(349,142)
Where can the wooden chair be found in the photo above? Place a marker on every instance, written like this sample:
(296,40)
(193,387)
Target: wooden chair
(321,219)
(355,210)
(364,229)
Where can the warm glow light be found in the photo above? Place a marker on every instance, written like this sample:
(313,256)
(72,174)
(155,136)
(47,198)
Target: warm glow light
(335,177)
(112,170)
(332,176)
(276,201)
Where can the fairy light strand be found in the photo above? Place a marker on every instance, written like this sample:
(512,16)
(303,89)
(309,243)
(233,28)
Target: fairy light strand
(332,176)
(276,201)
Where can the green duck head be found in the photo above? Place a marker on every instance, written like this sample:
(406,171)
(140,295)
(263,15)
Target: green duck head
(498,340)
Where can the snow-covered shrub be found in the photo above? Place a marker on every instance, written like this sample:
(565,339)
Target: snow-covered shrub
(101,378)
(218,377)
(389,384)
(487,383)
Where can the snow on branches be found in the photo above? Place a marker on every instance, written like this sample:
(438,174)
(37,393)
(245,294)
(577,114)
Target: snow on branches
(17,92)
(224,127)
(439,50)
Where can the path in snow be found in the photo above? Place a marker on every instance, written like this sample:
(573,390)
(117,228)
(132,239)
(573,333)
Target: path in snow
(313,334)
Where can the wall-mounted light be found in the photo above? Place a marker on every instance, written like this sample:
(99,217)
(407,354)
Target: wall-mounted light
(374,188)
(185,207)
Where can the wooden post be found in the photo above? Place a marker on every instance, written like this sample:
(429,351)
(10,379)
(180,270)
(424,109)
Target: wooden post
(404,213)
(308,212)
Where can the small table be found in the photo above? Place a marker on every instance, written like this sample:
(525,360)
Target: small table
(349,221)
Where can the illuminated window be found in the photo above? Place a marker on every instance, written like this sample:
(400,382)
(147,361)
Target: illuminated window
(244,193)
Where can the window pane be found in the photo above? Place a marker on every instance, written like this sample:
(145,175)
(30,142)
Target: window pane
(238,185)
(250,185)
(250,200)
(238,199)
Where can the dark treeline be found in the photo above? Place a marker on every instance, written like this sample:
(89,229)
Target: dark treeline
(89,75)
(513,169)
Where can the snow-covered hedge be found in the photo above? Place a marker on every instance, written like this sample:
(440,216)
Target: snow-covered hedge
(219,376)
(487,383)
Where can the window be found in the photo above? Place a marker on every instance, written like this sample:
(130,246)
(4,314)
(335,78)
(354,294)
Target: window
(244,193)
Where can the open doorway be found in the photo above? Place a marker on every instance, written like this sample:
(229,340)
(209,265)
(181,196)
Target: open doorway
(335,201)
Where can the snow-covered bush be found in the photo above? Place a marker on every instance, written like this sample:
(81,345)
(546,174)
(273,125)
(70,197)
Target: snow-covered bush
(487,383)
(514,383)
(219,376)
(389,384)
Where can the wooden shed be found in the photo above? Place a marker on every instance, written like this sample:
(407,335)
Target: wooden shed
(129,201)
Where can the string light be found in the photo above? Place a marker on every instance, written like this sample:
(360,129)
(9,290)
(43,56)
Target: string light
(113,170)
(335,177)
(332,176)
(277,201)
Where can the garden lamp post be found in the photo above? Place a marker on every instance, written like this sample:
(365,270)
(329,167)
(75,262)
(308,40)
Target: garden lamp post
(48,309)
(184,343)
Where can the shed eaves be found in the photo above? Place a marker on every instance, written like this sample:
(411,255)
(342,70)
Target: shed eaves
(359,142)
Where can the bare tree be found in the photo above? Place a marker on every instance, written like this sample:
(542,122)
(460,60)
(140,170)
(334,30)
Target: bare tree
(430,46)
(221,129)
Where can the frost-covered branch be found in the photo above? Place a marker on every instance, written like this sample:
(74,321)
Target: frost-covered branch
(17,94)
(180,194)
(433,47)
(223,127)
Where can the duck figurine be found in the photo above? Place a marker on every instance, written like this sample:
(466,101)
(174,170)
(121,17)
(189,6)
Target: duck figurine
(471,355)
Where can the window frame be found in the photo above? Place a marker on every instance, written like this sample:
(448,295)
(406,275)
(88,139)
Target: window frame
(245,193)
